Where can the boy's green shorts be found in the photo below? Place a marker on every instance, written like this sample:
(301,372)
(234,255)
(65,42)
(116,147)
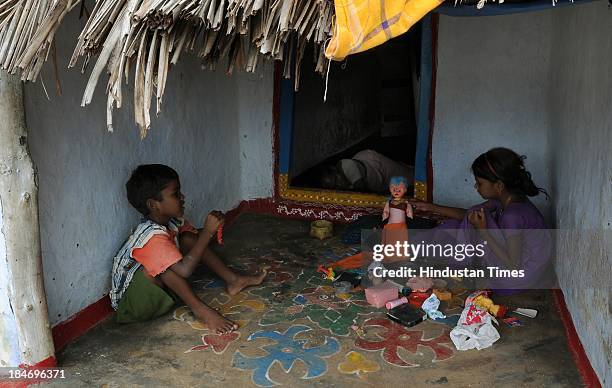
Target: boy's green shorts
(143,300)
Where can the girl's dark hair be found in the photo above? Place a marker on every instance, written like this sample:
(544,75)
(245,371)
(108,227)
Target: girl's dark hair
(147,182)
(505,165)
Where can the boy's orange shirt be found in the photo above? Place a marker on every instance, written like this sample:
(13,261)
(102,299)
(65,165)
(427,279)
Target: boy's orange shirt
(161,251)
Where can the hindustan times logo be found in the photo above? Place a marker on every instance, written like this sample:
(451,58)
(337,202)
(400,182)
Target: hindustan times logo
(412,252)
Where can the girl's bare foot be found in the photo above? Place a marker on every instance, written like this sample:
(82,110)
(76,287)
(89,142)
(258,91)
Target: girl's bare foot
(242,282)
(215,321)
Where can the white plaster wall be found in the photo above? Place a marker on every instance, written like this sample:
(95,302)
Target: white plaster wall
(255,93)
(539,83)
(84,214)
(9,344)
(581,147)
(491,91)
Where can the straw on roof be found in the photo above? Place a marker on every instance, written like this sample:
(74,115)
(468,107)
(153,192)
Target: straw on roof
(27,28)
(145,37)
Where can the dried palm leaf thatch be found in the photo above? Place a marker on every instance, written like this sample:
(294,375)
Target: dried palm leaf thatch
(27,28)
(148,36)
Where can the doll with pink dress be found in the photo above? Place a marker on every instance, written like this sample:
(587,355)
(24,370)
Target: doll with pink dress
(396,210)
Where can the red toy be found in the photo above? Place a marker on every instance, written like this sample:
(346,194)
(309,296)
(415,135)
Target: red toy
(328,273)
(416,299)
(220,235)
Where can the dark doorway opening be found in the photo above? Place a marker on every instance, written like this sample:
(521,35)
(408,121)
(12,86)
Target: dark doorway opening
(372,103)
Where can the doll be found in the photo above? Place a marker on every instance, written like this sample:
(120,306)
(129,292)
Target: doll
(396,210)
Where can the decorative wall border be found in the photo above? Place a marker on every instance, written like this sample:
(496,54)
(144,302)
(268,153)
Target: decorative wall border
(339,197)
(420,190)
(318,211)
(327,196)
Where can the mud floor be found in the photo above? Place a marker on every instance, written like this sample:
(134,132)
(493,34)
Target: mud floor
(296,332)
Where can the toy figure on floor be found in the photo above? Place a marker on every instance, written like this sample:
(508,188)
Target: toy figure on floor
(396,210)
(396,230)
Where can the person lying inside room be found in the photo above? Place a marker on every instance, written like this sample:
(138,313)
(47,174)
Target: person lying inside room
(367,170)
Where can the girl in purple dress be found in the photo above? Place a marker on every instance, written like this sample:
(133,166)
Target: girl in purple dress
(512,226)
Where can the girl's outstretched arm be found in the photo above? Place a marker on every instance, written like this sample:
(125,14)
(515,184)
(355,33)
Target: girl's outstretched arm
(444,211)
(455,213)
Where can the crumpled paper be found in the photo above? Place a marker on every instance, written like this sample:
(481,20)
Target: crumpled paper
(430,306)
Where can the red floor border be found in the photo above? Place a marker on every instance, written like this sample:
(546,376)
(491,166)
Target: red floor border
(81,322)
(49,362)
(261,205)
(589,377)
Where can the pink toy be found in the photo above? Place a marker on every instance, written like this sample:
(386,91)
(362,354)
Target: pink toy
(397,302)
(378,295)
(420,284)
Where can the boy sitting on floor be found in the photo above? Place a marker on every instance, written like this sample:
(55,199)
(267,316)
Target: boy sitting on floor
(163,252)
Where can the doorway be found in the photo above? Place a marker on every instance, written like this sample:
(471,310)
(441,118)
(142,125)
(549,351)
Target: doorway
(377,101)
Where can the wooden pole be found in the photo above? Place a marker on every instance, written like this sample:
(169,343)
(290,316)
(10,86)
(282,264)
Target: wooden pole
(20,229)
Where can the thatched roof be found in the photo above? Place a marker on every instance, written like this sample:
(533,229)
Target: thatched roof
(147,36)
(27,28)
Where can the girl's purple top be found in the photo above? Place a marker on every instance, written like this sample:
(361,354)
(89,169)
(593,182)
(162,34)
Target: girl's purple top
(518,217)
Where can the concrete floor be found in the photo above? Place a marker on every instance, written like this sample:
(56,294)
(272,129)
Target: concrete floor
(295,316)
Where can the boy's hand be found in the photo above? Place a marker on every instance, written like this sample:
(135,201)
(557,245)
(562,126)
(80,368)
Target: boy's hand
(213,221)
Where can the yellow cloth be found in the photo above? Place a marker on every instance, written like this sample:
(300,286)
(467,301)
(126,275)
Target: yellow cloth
(363,24)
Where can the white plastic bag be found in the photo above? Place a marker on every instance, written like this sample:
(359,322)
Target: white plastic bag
(476,335)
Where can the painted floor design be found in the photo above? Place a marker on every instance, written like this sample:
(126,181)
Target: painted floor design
(295,331)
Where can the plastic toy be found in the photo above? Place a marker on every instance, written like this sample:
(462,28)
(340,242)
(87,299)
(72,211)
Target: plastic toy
(220,235)
(481,300)
(396,210)
(328,273)
(378,295)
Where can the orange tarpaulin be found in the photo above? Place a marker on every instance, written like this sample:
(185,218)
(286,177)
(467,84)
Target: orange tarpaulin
(363,24)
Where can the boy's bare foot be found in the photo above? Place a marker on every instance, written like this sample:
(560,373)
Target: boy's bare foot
(215,321)
(242,282)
